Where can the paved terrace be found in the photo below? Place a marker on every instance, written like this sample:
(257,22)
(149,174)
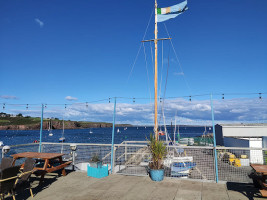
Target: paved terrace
(77,185)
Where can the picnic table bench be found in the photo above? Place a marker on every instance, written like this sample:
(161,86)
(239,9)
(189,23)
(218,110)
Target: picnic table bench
(52,162)
(261,171)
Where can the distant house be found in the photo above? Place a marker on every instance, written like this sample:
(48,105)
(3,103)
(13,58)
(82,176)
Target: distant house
(4,115)
(243,135)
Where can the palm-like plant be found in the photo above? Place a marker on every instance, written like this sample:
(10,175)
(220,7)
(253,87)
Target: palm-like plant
(158,151)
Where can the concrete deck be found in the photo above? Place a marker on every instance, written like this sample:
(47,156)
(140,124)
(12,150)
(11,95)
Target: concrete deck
(77,185)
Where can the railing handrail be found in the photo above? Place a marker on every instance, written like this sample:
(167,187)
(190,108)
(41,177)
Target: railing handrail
(126,144)
(21,145)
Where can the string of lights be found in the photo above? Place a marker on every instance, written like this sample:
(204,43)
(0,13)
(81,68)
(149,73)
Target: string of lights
(190,97)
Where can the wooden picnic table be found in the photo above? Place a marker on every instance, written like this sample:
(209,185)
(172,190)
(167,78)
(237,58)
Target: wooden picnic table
(262,171)
(49,160)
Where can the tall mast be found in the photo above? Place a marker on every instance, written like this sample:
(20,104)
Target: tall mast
(156,71)
(156,74)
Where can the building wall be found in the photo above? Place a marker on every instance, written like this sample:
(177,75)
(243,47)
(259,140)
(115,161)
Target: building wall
(256,156)
(244,131)
(235,142)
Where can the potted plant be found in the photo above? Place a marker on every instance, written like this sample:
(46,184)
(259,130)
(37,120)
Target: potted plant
(158,151)
(95,161)
(95,169)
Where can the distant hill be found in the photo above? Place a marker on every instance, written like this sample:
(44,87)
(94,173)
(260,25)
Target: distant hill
(19,122)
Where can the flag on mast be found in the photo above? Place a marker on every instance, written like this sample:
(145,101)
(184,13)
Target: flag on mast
(171,12)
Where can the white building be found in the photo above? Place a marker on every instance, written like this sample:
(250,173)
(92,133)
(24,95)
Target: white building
(243,135)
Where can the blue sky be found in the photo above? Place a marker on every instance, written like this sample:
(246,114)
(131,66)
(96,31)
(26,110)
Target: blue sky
(84,50)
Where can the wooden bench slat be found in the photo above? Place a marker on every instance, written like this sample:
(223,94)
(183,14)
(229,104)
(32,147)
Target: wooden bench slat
(263,193)
(63,165)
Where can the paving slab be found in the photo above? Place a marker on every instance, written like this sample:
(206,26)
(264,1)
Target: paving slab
(78,186)
(187,195)
(140,191)
(164,190)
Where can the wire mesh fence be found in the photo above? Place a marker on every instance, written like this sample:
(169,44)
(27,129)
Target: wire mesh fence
(187,162)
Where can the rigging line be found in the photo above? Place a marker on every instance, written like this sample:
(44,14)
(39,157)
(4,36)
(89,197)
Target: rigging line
(140,45)
(161,80)
(178,60)
(152,58)
(161,70)
(164,94)
(147,73)
(167,74)
(134,62)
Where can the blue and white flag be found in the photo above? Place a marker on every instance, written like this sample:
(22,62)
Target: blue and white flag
(164,14)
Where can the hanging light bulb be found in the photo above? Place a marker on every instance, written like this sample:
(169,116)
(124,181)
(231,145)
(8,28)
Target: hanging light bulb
(190,98)
(260,96)
(160,99)
(45,105)
(133,100)
(4,106)
(222,96)
(27,106)
(65,106)
(108,100)
(86,104)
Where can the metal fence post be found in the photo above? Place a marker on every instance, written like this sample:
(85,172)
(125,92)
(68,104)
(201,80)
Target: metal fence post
(214,141)
(125,152)
(113,130)
(41,129)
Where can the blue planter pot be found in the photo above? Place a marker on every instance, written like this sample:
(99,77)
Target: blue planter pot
(156,174)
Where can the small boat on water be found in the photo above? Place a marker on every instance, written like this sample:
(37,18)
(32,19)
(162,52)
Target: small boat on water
(118,130)
(90,131)
(62,139)
(50,128)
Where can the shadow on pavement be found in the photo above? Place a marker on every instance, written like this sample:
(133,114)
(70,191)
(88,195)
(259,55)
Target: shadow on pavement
(246,189)
(24,193)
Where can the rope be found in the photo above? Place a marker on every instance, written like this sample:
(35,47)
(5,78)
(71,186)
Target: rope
(152,58)
(147,73)
(162,105)
(161,70)
(178,60)
(140,45)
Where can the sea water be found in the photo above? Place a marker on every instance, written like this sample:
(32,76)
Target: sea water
(98,135)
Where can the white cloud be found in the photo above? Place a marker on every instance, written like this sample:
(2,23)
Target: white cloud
(8,97)
(39,22)
(196,112)
(70,98)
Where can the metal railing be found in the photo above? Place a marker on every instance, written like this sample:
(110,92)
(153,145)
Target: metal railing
(191,162)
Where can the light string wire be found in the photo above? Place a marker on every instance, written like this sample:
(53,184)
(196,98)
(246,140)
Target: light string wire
(136,98)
